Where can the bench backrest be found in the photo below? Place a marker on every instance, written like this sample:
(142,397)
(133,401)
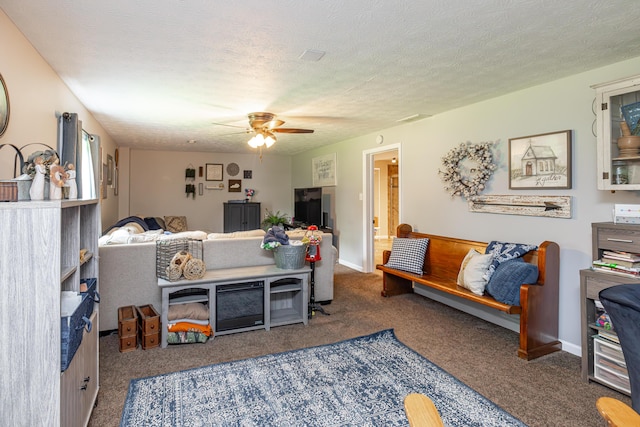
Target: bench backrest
(445,254)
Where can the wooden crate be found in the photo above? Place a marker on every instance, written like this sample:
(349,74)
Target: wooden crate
(148,319)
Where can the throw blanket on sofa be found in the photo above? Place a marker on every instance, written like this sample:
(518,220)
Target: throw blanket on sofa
(129,220)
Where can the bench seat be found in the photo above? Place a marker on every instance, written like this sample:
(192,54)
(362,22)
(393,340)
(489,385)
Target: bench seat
(449,286)
(539,302)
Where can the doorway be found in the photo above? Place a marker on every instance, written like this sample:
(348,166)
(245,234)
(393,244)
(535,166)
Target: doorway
(382,183)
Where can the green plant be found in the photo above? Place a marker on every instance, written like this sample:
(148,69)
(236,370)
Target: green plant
(271,219)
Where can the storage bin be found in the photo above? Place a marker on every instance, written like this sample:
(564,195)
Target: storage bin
(166,249)
(71,331)
(290,257)
(609,365)
(8,191)
(91,293)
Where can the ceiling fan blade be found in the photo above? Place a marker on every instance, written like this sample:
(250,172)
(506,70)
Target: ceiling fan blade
(290,130)
(231,126)
(246,131)
(273,124)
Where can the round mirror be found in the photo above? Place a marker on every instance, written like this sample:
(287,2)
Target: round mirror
(4,106)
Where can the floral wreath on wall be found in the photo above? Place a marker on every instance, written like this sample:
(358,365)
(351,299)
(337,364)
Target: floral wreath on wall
(459,182)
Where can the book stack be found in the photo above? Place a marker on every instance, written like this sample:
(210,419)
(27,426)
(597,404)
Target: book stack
(609,336)
(625,263)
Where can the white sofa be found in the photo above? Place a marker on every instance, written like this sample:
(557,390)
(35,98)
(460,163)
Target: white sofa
(128,271)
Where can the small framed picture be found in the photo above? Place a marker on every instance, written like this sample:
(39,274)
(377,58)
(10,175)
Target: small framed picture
(539,162)
(248,174)
(323,170)
(109,169)
(235,185)
(214,172)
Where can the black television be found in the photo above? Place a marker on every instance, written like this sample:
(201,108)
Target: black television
(307,207)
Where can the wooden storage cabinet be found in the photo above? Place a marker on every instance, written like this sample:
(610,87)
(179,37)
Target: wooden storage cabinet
(599,357)
(616,170)
(40,246)
(241,217)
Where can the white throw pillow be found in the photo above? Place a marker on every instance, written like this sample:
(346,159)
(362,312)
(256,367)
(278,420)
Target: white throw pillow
(473,268)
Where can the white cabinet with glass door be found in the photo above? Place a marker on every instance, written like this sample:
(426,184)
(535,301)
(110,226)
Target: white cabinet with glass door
(617,108)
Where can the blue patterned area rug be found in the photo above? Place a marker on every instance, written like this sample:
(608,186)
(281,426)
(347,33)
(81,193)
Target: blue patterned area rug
(358,382)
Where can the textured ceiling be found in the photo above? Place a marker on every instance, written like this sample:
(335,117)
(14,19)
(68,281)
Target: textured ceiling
(157,73)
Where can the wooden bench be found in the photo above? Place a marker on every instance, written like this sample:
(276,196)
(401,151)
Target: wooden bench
(539,302)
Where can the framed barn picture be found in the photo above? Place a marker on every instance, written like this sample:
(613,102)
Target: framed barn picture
(539,162)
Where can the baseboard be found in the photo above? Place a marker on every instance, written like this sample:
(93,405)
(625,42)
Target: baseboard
(350,265)
(576,350)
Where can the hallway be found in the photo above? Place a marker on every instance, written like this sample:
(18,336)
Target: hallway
(380,245)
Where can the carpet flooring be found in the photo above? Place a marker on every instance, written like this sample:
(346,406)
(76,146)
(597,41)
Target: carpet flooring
(361,382)
(543,392)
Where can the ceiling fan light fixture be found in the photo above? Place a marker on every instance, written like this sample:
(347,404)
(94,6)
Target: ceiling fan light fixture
(256,142)
(270,140)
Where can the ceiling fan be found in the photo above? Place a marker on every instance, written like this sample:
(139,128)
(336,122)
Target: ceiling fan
(264,125)
(268,122)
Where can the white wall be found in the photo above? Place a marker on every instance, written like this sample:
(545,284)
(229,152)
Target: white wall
(559,105)
(158,185)
(36,94)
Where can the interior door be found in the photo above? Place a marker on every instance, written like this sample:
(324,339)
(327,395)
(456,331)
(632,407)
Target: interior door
(393,185)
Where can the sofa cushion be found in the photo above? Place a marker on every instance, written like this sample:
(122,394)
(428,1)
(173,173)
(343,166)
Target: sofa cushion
(249,233)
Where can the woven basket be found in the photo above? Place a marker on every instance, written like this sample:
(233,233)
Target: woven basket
(9,188)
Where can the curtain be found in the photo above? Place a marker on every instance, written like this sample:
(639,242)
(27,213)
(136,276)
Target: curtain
(69,134)
(78,147)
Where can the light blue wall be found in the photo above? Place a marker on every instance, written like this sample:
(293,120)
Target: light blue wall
(559,105)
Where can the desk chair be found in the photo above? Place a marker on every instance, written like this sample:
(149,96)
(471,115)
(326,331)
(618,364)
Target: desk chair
(622,303)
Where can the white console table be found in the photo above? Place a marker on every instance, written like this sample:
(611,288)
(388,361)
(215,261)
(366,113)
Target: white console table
(284,304)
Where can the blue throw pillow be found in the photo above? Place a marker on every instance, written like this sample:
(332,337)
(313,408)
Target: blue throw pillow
(502,252)
(408,254)
(152,223)
(505,283)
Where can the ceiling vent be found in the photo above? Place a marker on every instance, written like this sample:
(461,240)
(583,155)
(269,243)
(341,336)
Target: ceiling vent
(312,55)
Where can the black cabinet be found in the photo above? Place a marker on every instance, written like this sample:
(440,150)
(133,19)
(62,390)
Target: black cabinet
(241,216)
